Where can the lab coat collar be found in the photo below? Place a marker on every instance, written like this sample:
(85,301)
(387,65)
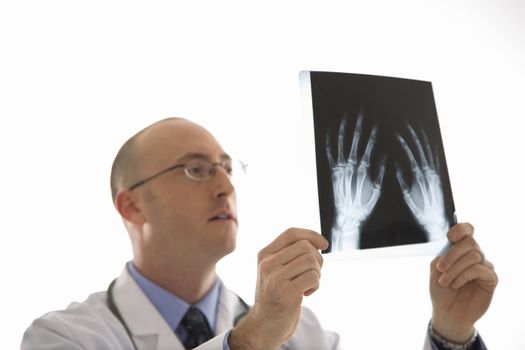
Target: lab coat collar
(147,326)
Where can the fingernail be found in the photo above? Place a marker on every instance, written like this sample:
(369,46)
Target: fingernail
(455,285)
(452,235)
(442,280)
(441,266)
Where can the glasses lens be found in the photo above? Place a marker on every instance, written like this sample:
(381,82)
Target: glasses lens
(198,169)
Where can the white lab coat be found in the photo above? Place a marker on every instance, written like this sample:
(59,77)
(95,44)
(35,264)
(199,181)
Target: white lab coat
(92,325)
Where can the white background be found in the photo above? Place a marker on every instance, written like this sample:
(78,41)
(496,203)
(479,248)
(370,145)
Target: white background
(78,78)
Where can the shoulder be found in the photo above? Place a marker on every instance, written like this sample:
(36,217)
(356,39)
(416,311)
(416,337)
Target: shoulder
(87,324)
(93,309)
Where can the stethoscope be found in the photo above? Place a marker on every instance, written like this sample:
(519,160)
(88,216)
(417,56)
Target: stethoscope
(114,309)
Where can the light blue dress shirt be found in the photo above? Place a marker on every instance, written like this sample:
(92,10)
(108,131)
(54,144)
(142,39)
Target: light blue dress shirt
(172,308)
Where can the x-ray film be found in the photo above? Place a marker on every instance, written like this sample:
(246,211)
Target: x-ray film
(382,178)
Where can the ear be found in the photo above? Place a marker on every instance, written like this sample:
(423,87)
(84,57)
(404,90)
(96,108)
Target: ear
(126,204)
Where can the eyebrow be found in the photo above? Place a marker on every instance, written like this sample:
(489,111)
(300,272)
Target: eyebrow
(204,156)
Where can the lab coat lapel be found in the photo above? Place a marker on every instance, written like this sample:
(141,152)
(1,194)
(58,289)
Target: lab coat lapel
(150,331)
(230,310)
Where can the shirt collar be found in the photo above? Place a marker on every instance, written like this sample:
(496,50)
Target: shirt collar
(171,307)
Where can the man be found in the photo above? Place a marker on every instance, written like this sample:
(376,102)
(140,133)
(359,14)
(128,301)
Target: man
(171,185)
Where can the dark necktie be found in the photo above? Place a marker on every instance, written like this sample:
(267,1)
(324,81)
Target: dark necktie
(198,328)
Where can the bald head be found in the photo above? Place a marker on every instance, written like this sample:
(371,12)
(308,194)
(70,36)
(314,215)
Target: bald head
(143,150)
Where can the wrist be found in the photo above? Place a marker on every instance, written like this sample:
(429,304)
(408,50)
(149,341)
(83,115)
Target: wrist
(346,229)
(458,332)
(452,340)
(249,335)
(236,340)
(344,238)
(437,228)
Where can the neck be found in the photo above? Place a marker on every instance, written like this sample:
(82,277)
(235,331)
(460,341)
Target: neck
(191,285)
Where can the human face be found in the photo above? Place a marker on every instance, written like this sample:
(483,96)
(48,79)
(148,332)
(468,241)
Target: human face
(196,220)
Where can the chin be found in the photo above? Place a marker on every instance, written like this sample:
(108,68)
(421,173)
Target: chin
(228,242)
(221,239)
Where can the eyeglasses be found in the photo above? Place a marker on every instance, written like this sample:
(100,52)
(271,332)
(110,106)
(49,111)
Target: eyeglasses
(199,170)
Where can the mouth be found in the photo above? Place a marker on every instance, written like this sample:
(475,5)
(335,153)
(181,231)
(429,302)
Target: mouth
(222,216)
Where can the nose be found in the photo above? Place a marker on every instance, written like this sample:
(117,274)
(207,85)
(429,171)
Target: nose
(222,184)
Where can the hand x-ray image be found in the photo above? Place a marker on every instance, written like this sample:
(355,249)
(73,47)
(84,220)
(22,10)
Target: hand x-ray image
(381,169)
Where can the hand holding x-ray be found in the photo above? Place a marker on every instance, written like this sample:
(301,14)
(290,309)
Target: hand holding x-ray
(355,194)
(425,195)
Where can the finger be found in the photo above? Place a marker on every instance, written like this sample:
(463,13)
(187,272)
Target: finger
(429,150)
(456,251)
(422,156)
(300,265)
(369,146)
(414,208)
(401,180)
(352,158)
(433,264)
(408,152)
(438,165)
(376,191)
(434,272)
(459,231)
(306,283)
(292,235)
(489,264)
(482,273)
(465,262)
(367,208)
(287,255)
(381,174)
(331,162)
(341,142)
